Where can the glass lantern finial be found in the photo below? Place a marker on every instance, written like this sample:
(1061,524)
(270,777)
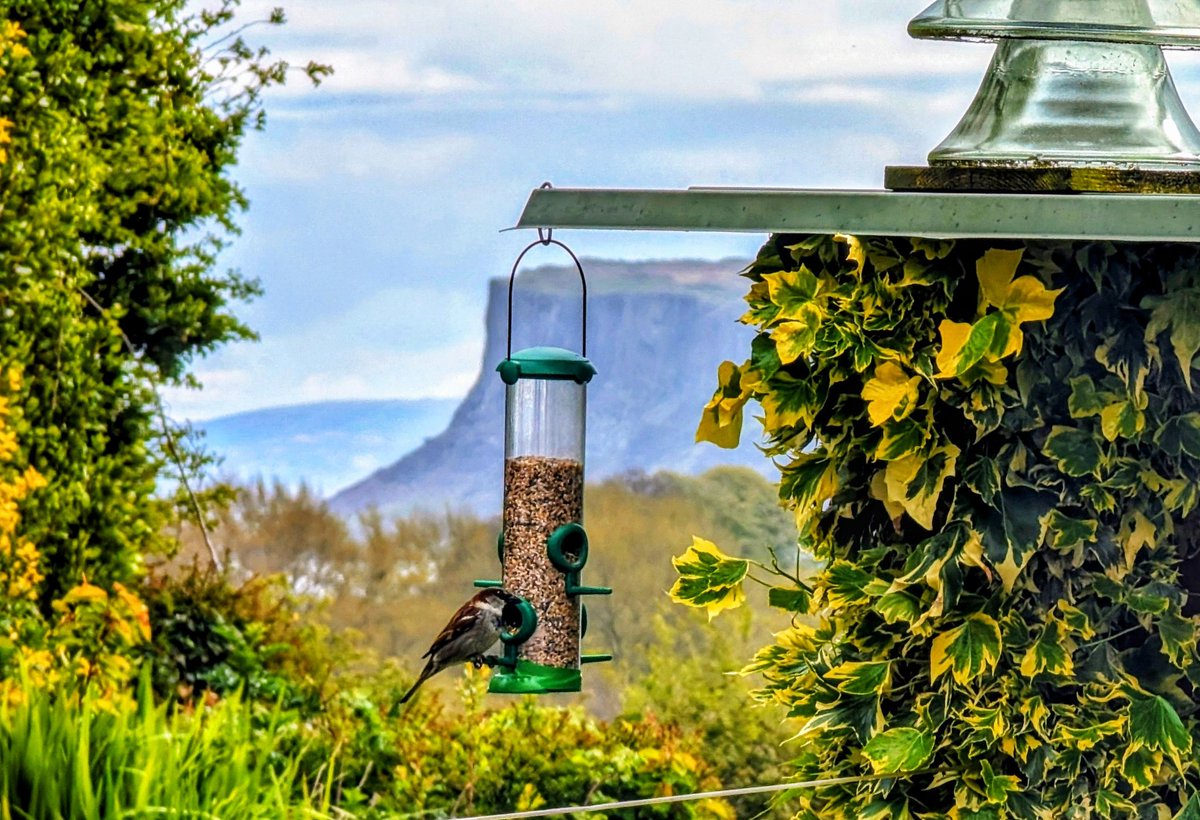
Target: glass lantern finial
(1073,83)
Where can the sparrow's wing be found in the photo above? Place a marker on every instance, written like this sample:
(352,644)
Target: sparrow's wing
(458,626)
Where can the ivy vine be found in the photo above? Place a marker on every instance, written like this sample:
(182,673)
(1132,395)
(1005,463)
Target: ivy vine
(994,449)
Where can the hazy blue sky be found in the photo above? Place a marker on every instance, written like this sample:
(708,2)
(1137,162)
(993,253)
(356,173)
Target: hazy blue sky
(376,200)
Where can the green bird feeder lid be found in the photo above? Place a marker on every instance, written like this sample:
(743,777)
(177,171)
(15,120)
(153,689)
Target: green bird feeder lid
(546,363)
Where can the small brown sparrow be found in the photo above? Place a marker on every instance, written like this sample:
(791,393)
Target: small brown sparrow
(470,633)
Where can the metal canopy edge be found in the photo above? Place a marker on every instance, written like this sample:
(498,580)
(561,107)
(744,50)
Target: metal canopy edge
(1129,217)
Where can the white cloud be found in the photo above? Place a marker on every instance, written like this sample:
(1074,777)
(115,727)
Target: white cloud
(676,49)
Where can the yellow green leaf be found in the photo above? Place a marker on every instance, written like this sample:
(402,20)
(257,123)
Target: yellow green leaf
(1177,313)
(954,336)
(708,578)
(1122,419)
(891,394)
(861,678)
(721,418)
(1135,534)
(902,749)
(1050,653)
(794,339)
(1154,724)
(968,650)
(915,482)
(1029,300)
(791,291)
(995,270)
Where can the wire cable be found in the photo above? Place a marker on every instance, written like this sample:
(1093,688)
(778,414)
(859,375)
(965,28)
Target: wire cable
(681,798)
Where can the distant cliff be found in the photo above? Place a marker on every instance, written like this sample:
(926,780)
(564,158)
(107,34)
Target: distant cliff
(656,333)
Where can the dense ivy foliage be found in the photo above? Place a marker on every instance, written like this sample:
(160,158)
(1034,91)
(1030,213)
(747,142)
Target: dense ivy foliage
(118,130)
(996,453)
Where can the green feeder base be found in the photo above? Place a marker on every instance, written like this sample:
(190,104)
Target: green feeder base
(530,678)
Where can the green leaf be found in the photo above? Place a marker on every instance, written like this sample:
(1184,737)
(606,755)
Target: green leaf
(1192,810)
(709,579)
(1085,400)
(901,749)
(792,291)
(1122,419)
(968,650)
(997,786)
(789,401)
(794,339)
(808,482)
(1050,653)
(1013,530)
(1141,766)
(1067,533)
(1076,452)
(1178,636)
(845,584)
(1178,314)
(902,439)
(1154,724)
(1180,435)
(915,482)
(898,607)
(861,678)
(790,600)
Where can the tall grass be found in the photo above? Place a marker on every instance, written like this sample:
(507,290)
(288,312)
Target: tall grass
(72,758)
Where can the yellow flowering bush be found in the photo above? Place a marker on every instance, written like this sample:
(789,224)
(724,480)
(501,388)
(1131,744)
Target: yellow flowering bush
(96,631)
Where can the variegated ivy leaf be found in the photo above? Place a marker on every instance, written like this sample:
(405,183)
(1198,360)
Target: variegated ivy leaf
(1123,419)
(1066,532)
(807,483)
(968,650)
(1179,315)
(1178,638)
(1180,435)
(1137,531)
(915,482)
(794,339)
(721,419)
(1141,766)
(708,578)
(845,584)
(788,402)
(1012,530)
(996,335)
(1192,810)
(1025,298)
(861,678)
(792,292)
(1086,400)
(891,394)
(1155,725)
(1050,653)
(1077,452)
(902,749)
(898,607)
(997,786)
(790,600)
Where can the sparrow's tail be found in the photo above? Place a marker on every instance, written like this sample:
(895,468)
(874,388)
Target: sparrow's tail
(426,673)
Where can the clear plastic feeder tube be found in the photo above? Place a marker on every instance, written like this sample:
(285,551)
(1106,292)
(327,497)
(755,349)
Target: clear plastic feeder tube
(544,439)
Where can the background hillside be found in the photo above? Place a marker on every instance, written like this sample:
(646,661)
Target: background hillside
(656,333)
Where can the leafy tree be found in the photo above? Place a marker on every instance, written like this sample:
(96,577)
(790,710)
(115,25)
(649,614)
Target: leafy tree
(995,451)
(121,124)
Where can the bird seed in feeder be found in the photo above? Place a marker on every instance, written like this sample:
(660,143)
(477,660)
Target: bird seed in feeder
(541,494)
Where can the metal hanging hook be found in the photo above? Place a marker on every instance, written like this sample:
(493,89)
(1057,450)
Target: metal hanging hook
(546,237)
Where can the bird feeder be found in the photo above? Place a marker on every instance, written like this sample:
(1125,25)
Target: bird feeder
(543,546)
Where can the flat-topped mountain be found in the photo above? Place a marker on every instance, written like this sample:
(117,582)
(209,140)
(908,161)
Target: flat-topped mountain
(656,332)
